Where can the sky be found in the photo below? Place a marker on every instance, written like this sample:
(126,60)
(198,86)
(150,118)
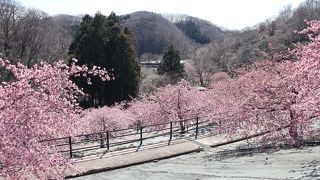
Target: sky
(229,14)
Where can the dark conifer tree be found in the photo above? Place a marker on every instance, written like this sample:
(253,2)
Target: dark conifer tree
(170,65)
(101,42)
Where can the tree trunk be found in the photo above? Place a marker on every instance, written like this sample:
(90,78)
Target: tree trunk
(201,81)
(293,130)
(182,127)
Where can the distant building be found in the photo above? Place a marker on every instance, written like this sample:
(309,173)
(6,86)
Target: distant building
(155,64)
(201,88)
(151,64)
(182,61)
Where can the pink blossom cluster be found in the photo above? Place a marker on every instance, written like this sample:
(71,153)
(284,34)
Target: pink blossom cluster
(268,96)
(39,103)
(171,103)
(265,96)
(106,119)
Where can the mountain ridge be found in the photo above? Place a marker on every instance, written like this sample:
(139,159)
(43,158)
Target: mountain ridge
(154,33)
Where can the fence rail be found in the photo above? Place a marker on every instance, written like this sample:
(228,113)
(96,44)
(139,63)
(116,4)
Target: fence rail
(118,137)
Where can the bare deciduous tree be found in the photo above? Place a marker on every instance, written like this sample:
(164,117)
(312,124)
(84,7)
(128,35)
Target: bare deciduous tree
(30,35)
(11,16)
(202,66)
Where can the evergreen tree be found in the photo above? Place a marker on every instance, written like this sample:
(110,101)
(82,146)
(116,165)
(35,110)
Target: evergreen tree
(193,32)
(170,65)
(101,42)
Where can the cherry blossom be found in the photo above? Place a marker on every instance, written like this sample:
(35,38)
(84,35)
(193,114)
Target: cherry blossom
(39,103)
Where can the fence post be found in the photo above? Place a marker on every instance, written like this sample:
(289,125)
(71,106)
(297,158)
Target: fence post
(70,146)
(170,131)
(140,135)
(197,127)
(102,145)
(108,140)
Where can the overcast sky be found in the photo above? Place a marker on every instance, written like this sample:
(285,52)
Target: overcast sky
(231,14)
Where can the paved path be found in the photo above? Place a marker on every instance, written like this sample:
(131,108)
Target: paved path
(301,164)
(220,162)
(150,153)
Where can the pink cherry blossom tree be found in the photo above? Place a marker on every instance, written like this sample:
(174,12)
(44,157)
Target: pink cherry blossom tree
(107,119)
(171,103)
(263,98)
(296,88)
(226,100)
(39,103)
(145,111)
(304,81)
(268,95)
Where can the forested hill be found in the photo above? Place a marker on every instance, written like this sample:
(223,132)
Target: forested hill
(153,33)
(273,36)
(196,25)
(36,36)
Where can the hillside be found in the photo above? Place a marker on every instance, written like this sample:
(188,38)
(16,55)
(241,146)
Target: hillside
(40,36)
(206,28)
(275,36)
(153,34)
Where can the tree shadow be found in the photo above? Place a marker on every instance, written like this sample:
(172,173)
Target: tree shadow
(252,149)
(243,151)
(310,170)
